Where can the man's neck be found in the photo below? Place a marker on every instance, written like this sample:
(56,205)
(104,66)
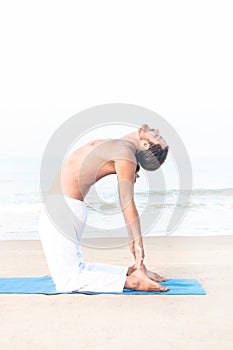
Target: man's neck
(132,137)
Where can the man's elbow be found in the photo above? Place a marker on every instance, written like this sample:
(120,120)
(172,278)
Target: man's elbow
(127,204)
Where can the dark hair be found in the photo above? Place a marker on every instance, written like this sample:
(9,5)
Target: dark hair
(152,158)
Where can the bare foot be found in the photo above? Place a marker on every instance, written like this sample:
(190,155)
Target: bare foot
(155,277)
(138,280)
(152,275)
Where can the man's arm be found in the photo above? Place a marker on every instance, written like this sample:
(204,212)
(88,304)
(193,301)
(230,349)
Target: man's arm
(125,169)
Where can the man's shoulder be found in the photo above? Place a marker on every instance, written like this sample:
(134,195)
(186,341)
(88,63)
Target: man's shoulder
(123,148)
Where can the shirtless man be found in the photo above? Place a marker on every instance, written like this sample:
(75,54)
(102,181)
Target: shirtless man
(83,168)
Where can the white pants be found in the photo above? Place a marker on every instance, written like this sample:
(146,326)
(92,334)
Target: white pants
(64,258)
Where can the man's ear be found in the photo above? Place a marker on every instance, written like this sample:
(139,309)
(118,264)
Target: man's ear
(143,136)
(145,143)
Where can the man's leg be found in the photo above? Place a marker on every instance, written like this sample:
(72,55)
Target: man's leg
(137,280)
(63,255)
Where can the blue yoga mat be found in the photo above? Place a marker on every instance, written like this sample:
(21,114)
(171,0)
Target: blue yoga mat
(45,285)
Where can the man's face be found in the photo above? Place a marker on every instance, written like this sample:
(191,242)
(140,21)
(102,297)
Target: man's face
(152,135)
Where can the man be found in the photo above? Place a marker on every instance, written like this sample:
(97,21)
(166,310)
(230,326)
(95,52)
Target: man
(83,168)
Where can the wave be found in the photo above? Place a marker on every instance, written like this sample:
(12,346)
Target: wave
(196,191)
(213,191)
(158,199)
(20,207)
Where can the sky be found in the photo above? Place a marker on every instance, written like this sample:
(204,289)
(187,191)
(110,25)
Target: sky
(59,58)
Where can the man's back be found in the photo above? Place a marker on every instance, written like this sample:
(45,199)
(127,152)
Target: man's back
(91,162)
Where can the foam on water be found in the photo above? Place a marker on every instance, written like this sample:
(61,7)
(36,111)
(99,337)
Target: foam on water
(209,211)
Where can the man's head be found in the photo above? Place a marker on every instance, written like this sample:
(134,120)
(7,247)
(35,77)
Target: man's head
(154,149)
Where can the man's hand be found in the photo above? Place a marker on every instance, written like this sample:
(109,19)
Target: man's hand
(139,253)
(152,275)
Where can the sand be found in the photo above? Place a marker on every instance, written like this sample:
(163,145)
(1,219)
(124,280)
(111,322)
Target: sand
(124,322)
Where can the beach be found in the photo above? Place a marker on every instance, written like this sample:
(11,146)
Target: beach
(124,321)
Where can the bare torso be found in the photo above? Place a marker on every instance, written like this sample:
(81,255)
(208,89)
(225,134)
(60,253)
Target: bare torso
(90,163)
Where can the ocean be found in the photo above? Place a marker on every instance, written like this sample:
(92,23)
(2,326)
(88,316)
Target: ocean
(209,211)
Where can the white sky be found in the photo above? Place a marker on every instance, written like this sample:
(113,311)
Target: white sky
(173,57)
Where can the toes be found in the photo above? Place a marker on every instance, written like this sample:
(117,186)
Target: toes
(160,279)
(159,288)
(163,289)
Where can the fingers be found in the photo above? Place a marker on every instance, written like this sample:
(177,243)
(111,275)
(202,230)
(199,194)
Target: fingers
(139,253)
(139,263)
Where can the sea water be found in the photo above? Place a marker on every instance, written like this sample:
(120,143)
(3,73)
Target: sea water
(209,211)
